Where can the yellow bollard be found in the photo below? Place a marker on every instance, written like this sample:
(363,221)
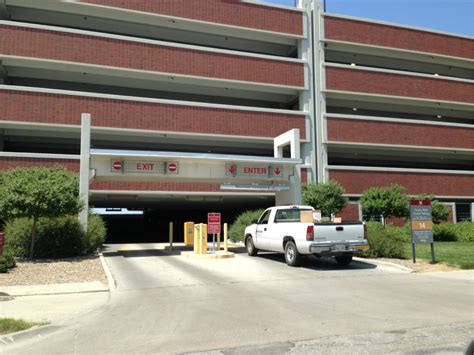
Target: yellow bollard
(171,235)
(204,239)
(188,233)
(197,228)
(225,237)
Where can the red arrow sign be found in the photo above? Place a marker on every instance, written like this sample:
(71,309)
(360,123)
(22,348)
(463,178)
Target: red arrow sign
(232,169)
(277,171)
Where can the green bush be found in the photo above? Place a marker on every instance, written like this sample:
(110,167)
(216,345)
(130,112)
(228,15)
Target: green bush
(385,242)
(96,233)
(56,237)
(243,220)
(7,261)
(18,237)
(459,232)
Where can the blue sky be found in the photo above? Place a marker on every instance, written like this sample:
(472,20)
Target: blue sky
(444,15)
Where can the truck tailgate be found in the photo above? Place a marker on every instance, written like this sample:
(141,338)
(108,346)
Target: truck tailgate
(339,232)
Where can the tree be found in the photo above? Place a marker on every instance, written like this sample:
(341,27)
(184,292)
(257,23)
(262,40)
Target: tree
(439,211)
(385,201)
(327,197)
(38,192)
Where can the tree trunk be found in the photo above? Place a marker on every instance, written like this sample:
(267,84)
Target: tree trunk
(33,237)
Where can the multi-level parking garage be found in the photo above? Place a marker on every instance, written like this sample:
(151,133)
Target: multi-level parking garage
(374,103)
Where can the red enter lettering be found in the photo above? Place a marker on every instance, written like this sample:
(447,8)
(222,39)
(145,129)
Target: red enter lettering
(260,171)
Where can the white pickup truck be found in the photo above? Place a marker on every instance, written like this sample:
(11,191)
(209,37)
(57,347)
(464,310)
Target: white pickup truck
(280,229)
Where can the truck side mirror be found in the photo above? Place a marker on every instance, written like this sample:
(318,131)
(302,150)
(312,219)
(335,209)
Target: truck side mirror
(255,221)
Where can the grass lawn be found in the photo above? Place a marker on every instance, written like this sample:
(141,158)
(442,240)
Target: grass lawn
(459,254)
(10,325)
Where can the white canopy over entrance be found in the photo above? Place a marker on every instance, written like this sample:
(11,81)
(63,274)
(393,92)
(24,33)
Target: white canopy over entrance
(233,172)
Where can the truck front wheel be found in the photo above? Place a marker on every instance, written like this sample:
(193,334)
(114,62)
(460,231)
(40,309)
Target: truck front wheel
(251,250)
(292,256)
(343,260)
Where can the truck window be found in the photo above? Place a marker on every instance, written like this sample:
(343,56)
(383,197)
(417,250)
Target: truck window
(288,215)
(265,217)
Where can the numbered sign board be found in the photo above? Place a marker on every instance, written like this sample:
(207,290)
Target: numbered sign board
(421,221)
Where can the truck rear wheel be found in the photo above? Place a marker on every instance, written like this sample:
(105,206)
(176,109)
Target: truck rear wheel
(292,256)
(251,250)
(343,260)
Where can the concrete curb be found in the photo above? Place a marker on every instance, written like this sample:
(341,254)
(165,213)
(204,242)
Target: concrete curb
(384,263)
(55,289)
(36,331)
(110,278)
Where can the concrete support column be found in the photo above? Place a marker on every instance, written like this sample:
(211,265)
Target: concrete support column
(85,168)
(319,78)
(293,195)
(306,98)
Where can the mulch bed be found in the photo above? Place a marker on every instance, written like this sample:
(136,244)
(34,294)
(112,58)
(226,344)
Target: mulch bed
(49,271)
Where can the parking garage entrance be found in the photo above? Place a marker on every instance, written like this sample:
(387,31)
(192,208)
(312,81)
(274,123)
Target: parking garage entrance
(221,183)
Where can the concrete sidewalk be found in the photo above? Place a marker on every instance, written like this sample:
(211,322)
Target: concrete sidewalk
(55,289)
(52,308)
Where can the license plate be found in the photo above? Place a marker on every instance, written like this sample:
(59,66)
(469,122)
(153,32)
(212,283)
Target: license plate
(339,247)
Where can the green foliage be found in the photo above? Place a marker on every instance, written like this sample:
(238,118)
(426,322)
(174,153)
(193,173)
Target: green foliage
(327,197)
(38,192)
(10,325)
(18,237)
(96,233)
(384,242)
(385,201)
(243,220)
(7,261)
(439,211)
(59,237)
(459,232)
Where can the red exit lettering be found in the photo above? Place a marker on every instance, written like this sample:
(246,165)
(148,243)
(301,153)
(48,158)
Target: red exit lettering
(145,166)
(260,171)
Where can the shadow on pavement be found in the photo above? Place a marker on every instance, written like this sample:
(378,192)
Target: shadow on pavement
(320,264)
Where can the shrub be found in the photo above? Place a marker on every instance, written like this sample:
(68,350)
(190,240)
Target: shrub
(56,237)
(36,193)
(401,232)
(96,233)
(7,261)
(327,197)
(460,232)
(385,201)
(243,220)
(384,242)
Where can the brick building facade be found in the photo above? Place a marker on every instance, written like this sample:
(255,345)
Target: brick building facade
(375,103)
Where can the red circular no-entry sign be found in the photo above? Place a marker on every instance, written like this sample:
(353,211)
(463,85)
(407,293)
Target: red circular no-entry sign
(172,167)
(117,165)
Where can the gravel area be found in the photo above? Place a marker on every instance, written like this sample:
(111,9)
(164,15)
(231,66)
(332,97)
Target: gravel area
(421,265)
(46,271)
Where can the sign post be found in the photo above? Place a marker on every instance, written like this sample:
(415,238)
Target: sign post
(214,227)
(421,223)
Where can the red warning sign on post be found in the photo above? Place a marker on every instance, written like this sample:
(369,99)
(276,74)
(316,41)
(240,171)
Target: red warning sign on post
(214,223)
(117,165)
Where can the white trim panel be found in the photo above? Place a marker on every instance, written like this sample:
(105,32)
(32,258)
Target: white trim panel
(399,170)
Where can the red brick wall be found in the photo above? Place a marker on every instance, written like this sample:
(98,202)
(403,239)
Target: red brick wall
(350,213)
(355,182)
(28,42)
(398,85)
(348,130)
(230,12)
(65,109)
(13,162)
(397,37)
